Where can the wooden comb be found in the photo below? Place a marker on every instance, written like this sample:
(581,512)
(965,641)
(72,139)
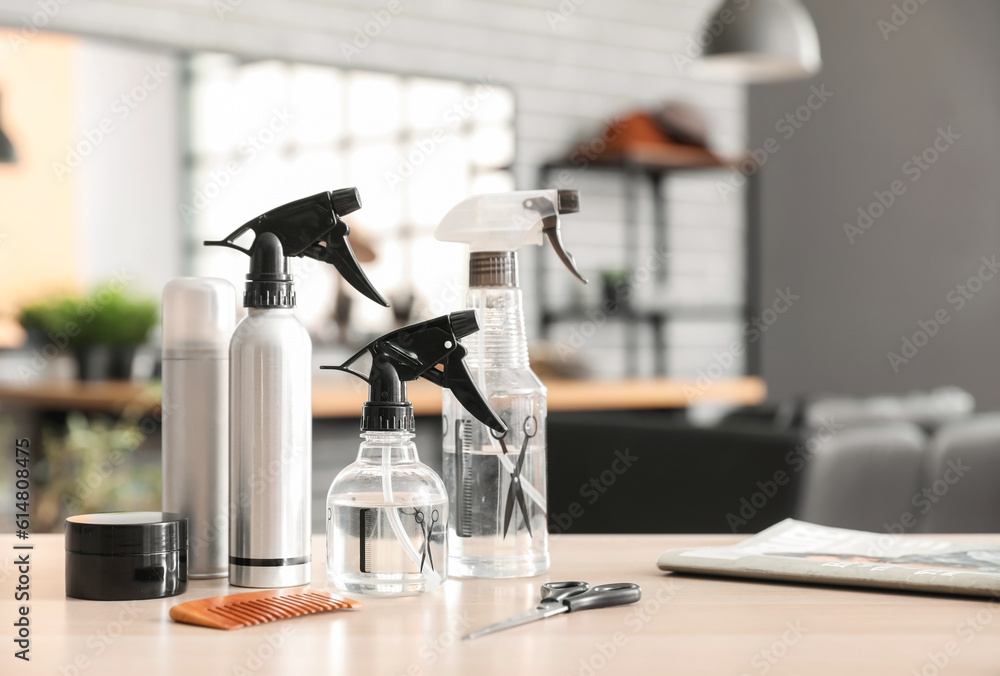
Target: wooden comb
(243,610)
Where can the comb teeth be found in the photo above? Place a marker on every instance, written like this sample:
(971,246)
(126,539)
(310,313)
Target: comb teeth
(244,610)
(463,478)
(366,529)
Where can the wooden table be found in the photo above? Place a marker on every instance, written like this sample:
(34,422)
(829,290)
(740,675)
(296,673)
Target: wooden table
(683,625)
(345,399)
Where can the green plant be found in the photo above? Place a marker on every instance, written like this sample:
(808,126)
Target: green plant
(116,319)
(49,315)
(614,277)
(107,316)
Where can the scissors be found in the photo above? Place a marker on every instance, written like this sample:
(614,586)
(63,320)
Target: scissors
(427,530)
(516,492)
(565,597)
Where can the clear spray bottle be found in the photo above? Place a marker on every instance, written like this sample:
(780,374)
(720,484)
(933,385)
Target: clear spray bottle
(496,481)
(387,513)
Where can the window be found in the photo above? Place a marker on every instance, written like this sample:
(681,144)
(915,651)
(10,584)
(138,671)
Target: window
(263,133)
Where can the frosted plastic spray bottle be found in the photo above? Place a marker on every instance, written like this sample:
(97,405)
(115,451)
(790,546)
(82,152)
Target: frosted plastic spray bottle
(270,386)
(387,513)
(496,482)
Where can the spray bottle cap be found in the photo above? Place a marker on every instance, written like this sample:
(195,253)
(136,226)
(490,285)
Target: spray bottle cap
(310,226)
(414,352)
(508,221)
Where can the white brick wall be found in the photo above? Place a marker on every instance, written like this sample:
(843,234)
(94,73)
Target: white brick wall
(606,57)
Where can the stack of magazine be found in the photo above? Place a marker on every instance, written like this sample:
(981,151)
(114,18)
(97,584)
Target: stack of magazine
(796,551)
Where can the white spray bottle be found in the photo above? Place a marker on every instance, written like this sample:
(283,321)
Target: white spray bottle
(496,483)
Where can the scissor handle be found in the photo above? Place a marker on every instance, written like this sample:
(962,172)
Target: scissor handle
(604,596)
(531,422)
(560,591)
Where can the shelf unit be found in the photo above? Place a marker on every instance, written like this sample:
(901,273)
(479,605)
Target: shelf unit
(647,167)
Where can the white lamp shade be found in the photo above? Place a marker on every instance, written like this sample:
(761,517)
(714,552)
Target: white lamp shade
(758,41)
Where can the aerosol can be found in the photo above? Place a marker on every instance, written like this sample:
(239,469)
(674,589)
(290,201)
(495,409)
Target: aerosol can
(496,482)
(387,513)
(199,315)
(270,385)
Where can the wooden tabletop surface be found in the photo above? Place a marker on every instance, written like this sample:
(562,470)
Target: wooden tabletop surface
(344,399)
(683,625)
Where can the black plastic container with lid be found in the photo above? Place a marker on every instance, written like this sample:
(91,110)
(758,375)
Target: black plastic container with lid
(123,556)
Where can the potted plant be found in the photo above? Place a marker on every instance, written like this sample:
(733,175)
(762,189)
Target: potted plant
(101,329)
(615,290)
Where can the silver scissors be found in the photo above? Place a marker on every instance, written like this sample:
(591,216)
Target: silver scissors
(426,529)
(565,597)
(516,492)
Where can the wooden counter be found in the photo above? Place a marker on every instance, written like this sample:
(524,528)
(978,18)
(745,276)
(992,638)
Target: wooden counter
(338,400)
(683,625)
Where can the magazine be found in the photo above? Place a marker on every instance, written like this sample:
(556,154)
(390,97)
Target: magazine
(797,551)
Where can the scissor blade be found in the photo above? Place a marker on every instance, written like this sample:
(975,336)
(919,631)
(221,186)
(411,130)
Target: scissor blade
(536,613)
(509,510)
(519,493)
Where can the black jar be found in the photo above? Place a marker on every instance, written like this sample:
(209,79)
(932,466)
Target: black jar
(124,556)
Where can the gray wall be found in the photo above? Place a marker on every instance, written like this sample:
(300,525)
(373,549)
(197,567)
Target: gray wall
(858,300)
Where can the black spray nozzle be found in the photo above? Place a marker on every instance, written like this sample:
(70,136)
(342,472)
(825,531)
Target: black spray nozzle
(413,352)
(568,202)
(312,227)
(464,323)
(267,260)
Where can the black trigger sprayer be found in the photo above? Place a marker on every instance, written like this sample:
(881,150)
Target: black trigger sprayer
(411,505)
(311,227)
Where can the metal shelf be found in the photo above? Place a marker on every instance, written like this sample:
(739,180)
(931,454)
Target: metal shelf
(634,170)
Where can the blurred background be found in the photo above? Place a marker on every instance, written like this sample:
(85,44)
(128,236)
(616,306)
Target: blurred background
(788,221)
